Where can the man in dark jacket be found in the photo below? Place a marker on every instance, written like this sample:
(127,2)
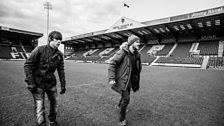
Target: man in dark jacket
(39,69)
(124,73)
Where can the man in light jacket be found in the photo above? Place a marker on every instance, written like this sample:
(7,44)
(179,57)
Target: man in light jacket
(124,73)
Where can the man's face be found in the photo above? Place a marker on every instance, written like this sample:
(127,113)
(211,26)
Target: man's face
(136,45)
(55,43)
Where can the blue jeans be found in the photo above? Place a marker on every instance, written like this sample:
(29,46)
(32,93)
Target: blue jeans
(39,98)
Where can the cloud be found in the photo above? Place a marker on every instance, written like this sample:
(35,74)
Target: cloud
(71,17)
(77,17)
(74,17)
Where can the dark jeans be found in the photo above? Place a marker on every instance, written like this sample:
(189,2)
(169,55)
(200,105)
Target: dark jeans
(39,98)
(123,103)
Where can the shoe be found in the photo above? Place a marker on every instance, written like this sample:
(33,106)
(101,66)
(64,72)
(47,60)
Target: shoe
(122,123)
(55,123)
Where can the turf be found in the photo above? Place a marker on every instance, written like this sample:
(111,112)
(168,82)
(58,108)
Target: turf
(167,97)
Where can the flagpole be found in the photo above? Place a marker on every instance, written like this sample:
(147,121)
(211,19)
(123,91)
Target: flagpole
(123,9)
(125,6)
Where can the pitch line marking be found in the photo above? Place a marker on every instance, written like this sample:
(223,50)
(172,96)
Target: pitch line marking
(15,95)
(79,85)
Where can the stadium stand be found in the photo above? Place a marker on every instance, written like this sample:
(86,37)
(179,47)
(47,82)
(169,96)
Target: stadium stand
(166,49)
(146,58)
(5,51)
(187,40)
(107,56)
(17,44)
(215,63)
(77,55)
(181,55)
(182,50)
(208,47)
(181,60)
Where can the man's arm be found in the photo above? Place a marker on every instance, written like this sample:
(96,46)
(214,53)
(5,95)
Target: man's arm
(29,67)
(61,74)
(115,62)
(140,63)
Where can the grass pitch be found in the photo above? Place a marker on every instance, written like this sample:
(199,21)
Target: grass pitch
(167,97)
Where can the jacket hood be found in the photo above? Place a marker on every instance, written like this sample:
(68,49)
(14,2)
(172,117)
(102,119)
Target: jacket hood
(125,48)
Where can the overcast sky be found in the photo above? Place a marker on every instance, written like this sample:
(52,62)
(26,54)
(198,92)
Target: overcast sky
(74,17)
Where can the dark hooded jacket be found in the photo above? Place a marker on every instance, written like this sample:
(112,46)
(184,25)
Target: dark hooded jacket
(121,71)
(39,68)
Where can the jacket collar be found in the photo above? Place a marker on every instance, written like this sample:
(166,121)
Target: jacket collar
(126,49)
(53,49)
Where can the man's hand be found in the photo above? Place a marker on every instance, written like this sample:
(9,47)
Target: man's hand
(62,90)
(112,82)
(32,88)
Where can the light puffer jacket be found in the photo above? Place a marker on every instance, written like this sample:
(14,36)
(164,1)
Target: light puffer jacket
(120,71)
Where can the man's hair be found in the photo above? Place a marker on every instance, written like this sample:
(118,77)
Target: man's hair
(54,35)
